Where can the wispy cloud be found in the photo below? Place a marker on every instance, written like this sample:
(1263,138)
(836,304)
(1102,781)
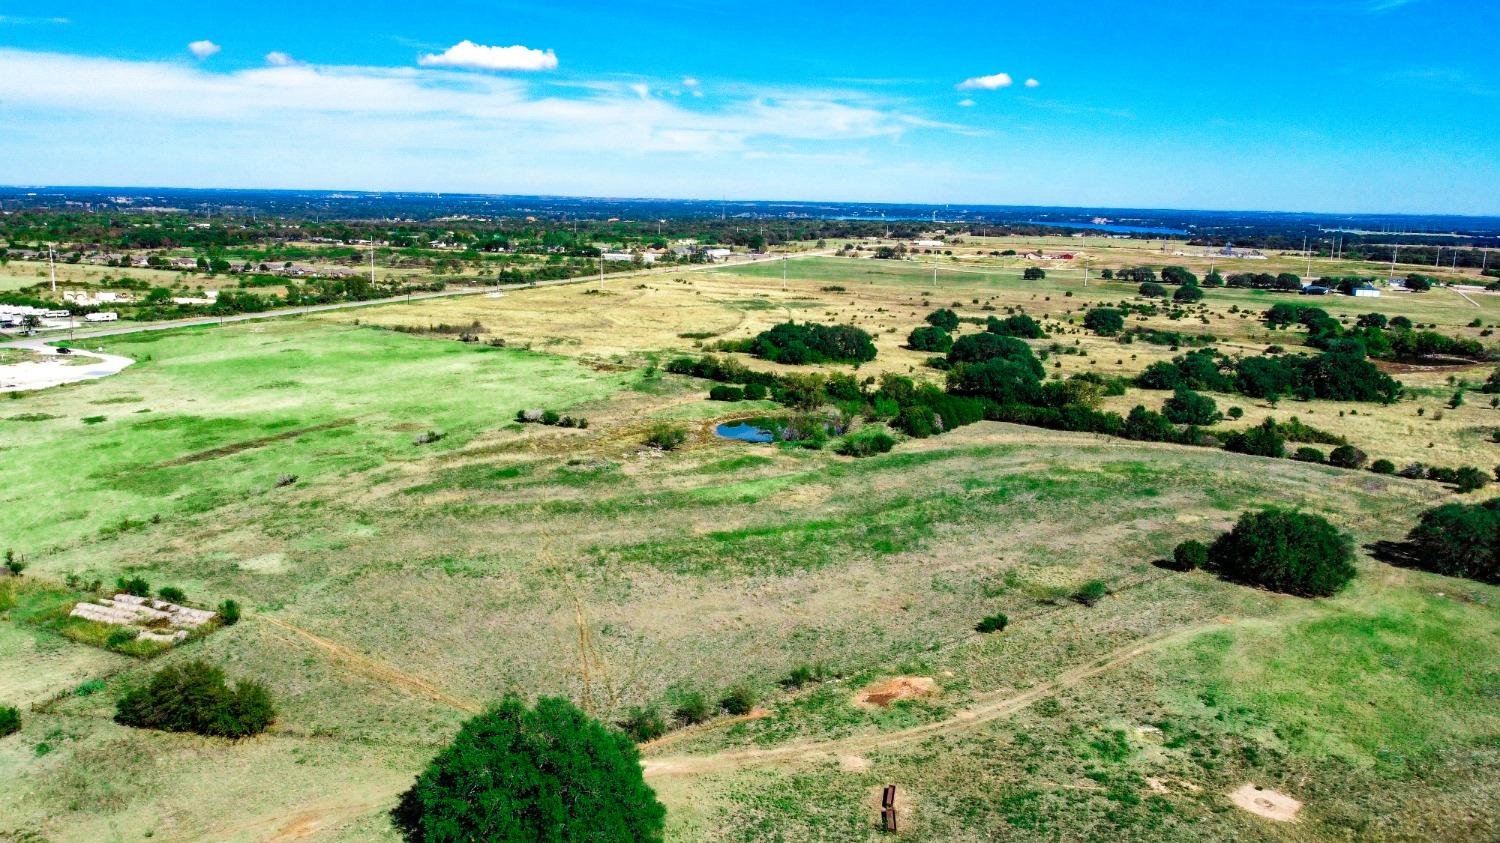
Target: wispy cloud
(21,20)
(277,100)
(203,49)
(470,56)
(1385,5)
(1032,83)
(993,82)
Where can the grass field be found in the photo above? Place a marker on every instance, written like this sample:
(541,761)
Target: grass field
(394,588)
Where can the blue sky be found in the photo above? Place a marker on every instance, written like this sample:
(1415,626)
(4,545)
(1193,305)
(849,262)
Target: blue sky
(1328,105)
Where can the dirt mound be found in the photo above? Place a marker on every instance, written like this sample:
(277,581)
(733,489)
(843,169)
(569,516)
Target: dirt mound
(899,688)
(1266,803)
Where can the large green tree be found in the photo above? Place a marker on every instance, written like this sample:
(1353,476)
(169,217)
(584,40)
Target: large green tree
(549,773)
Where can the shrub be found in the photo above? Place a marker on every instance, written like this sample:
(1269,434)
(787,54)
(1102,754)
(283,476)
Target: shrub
(550,417)
(943,319)
(1307,454)
(1091,592)
(1291,552)
(1347,456)
(429,437)
(724,392)
(666,437)
(135,586)
(917,421)
(738,700)
(809,342)
(1190,555)
(994,623)
(172,594)
(1019,325)
(1188,407)
(755,391)
(1104,321)
(1236,413)
(10,720)
(693,708)
(866,442)
(802,674)
(1152,290)
(644,723)
(1262,440)
(1468,478)
(1459,540)
(193,697)
(229,612)
(1383,466)
(545,773)
(929,338)
(1034,273)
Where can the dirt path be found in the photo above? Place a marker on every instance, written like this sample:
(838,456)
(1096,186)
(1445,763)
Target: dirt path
(376,670)
(985,709)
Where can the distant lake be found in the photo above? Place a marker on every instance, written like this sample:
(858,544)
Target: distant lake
(1109,226)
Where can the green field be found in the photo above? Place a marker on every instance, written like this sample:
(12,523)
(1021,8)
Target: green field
(394,588)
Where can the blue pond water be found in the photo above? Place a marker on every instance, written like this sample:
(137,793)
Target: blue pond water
(744,432)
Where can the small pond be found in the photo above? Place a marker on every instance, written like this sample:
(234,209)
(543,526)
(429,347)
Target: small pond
(744,432)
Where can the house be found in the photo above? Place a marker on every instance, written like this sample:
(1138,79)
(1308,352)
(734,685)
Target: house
(927,242)
(1364,291)
(718,254)
(183,263)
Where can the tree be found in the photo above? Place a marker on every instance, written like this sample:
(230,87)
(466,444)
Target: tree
(517,774)
(1034,273)
(1347,456)
(1459,540)
(980,348)
(193,697)
(1187,294)
(1262,441)
(943,318)
(1152,290)
(10,720)
(1104,321)
(1178,275)
(1418,283)
(1188,407)
(1282,550)
(1020,325)
(929,338)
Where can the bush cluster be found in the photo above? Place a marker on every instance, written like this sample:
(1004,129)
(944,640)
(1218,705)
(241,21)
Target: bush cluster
(193,697)
(1282,550)
(1459,540)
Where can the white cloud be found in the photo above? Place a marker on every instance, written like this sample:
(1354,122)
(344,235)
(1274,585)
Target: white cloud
(203,49)
(689,82)
(28,21)
(1032,83)
(478,117)
(277,58)
(966,103)
(993,82)
(468,55)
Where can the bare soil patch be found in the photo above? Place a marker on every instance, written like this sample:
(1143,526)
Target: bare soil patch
(882,694)
(1268,804)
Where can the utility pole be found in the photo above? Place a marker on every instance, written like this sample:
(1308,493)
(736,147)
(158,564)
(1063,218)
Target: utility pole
(52,265)
(1394,251)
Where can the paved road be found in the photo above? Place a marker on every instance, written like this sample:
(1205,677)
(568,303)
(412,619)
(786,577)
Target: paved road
(132,328)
